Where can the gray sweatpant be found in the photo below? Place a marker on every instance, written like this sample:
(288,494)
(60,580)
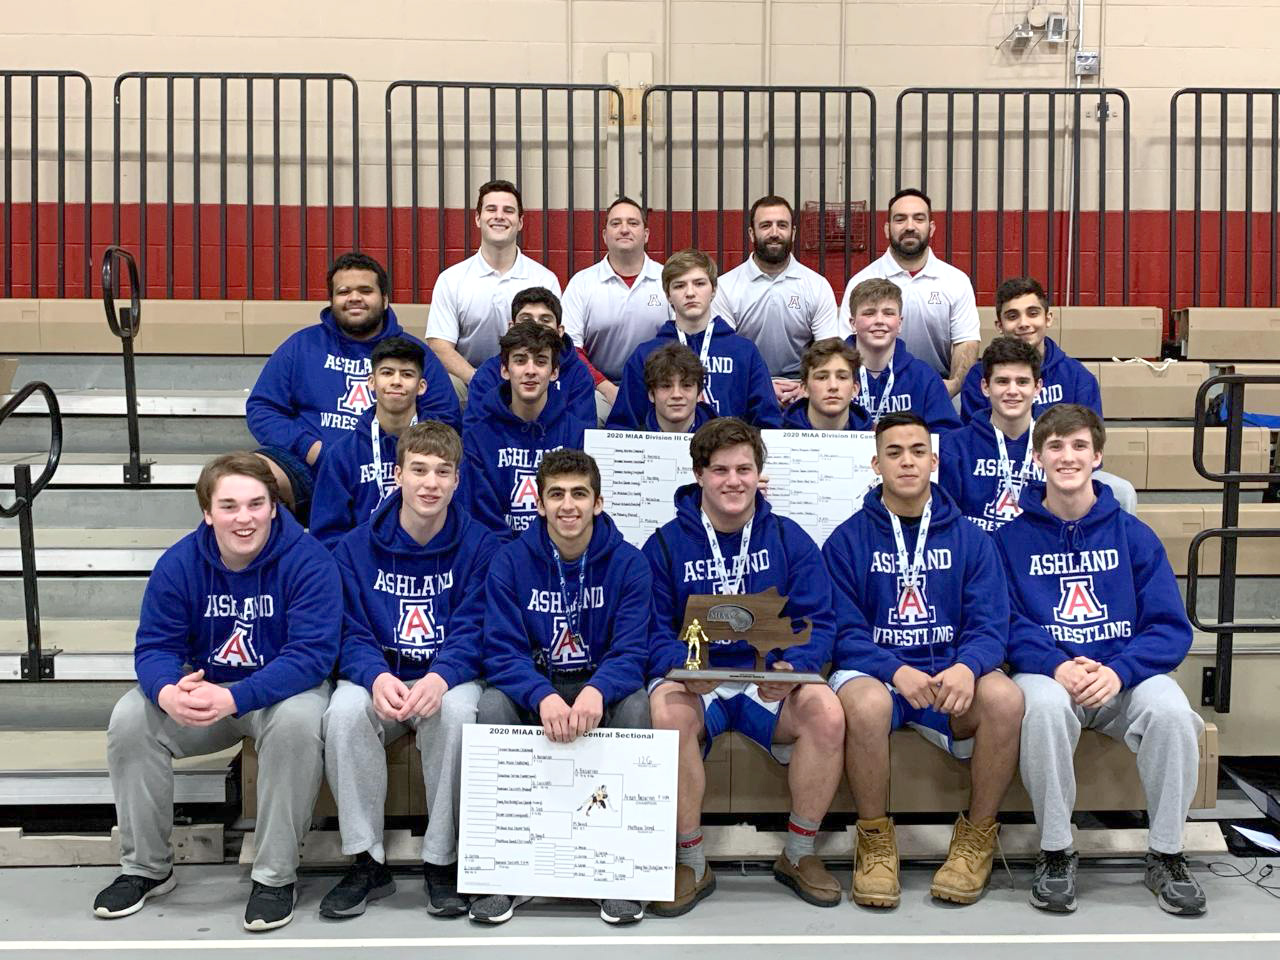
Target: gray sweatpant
(1153,719)
(355,763)
(629,713)
(143,740)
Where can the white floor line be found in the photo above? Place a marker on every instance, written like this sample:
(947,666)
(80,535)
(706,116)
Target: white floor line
(259,942)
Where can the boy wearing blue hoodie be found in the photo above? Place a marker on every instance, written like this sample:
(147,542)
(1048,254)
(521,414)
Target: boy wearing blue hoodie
(246,601)
(574,379)
(315,387)
(985,464)
(413,585)
(674,377)
(1022,311)
(359,471)
(725,540)
(921,642)
(566,630)
(891,379)
(520,422)
(1097,627)
(737,380)
(829,380)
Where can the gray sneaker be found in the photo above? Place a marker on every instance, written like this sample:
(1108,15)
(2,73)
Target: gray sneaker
(495,908)
(621,911)
(1176,890)
(1053,887)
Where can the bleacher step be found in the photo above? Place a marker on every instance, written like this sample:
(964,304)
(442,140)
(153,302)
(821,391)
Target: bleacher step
(202,437)
(106,470)
(150,403)
(97,508)
(91,372)
(90,649)
(70,767)
(119,549)
(78,597)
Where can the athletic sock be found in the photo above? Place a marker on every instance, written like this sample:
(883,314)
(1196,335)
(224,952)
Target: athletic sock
(802,834)
(690,852)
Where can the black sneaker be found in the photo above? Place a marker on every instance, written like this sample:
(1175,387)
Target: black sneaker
(621,911)
(1176,890)
(495,908)
(366,879)
(1053,887)
(441,884)
(268,907)
(128,893)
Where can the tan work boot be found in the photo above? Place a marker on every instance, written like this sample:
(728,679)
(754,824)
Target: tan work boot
(964,875)
(875,867)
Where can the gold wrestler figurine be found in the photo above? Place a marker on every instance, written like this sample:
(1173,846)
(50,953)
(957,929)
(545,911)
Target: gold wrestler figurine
(694,638)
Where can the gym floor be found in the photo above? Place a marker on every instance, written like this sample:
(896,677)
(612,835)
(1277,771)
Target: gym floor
(46,913)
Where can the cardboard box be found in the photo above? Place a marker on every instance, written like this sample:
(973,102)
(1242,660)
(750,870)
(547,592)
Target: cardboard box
(80,326)
(1229,333)
(413,318)
(1125,454)
(1169,465)
(8,370)
(20,326)
(1259,397)
(213,327)
(1136,391)
(268,323)
(1175,524)
(1106,332)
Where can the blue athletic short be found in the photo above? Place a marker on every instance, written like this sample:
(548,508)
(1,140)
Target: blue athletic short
(301,477)
(931,724)
(736,706)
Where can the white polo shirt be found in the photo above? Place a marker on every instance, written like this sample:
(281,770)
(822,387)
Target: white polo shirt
(781,315)
(608,319)
(471,303)
(938,307)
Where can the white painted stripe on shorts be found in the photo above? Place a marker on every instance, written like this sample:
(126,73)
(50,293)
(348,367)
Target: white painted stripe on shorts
(499,941)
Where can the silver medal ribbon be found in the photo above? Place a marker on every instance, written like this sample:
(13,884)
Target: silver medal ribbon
(912,570)
(729,583)
(376,433)
(1007,479)
(864,397)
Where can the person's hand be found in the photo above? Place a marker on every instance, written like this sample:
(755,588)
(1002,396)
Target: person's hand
(916,685)
(700,688)
(178,701)
(785,391)
(314,453)
(955,689)
(763,485)
(389,695)
(775,691)
(1073,676)
(555,718)
(1104,684)
(424,697)
(588,708)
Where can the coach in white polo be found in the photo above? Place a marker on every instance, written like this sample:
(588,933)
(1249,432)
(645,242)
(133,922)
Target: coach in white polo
(471,302)
(774,300)
(939,314)
(612,307)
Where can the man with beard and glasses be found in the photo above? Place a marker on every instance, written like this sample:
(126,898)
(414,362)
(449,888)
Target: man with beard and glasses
(939,312)
(774,300)
(315,387)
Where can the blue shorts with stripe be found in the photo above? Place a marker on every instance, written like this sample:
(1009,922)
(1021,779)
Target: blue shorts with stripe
(933,725)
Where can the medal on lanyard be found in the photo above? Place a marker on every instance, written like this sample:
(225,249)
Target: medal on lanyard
(729,582)
(1011,483)
(864,397)
(376,433)
(573,611)
(705,352)
(911,569)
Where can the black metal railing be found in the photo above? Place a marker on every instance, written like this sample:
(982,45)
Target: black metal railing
(458,135)
(37,663)
(815,145)
(125,323)
(245,94)
(55,84)
(1237,137)
(1041,144)
(1218,683)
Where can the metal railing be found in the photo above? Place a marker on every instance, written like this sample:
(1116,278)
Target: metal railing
(814,145)
(37,663)
(1217,684)
(36,81)
(125,324)
(1259,104)
(1043,154)
(244,87)
(460,135)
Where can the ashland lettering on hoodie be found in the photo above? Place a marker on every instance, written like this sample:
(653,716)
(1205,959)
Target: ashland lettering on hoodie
(246,608)
(552,601)
(407,585)
(696,571)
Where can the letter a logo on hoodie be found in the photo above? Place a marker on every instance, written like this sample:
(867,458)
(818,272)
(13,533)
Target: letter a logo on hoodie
(417,627)
(357,398)
(524,492)
(1005,506)
(238,649)
(1077,603)
(912,607)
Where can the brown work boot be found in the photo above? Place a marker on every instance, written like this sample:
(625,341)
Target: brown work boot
(810,879)
(688,892)
(964,875)
(875,867)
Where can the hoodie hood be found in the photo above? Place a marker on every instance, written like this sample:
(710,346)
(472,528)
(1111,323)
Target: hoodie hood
(285,532)
(387,533)
(943,513)
(1072,534)
(796,416)
(688,501)
(495,409)
(390,328)
(701,414)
